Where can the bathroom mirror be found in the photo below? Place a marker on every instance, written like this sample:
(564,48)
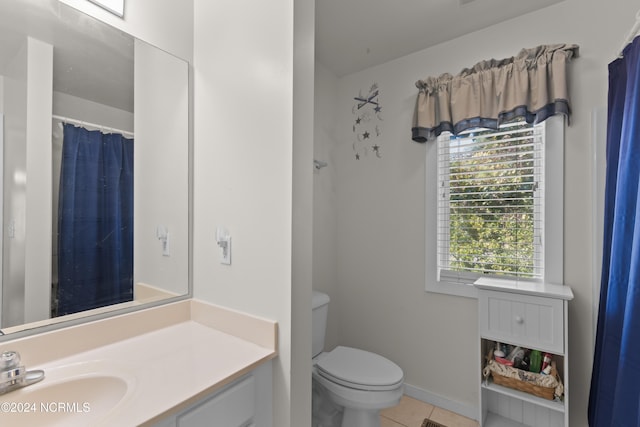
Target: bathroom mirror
(94,129)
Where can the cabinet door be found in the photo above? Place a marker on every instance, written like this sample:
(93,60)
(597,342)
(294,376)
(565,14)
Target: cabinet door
(535,322)
(233,407)
(167,422)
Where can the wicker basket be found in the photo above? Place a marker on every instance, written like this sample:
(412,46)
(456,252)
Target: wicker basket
(540,391)
(526,386)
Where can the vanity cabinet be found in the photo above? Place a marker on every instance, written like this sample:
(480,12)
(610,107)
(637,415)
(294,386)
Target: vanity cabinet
(533,316)
(245,402)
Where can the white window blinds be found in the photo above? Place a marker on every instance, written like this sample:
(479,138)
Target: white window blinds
(491,203)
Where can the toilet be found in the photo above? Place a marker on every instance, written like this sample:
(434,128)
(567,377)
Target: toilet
(357,382)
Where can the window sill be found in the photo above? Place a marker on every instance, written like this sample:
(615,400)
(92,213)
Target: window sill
(467,290)
(525,287)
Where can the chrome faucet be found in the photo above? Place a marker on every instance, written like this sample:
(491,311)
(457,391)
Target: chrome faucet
(13,375)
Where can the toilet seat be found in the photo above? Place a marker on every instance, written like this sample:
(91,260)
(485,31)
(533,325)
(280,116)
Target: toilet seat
(360,369)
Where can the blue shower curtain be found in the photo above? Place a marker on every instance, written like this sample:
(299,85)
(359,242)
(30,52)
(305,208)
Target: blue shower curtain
(615,382)
(95,220)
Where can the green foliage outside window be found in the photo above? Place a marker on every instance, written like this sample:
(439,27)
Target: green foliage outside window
(492,181)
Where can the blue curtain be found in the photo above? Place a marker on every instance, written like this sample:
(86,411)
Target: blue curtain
(615,382)
(95,220)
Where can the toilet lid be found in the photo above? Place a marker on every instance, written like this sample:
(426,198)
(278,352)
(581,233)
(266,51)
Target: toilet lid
(360,369)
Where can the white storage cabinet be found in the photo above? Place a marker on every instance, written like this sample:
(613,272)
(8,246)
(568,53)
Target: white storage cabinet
(246,402)
(532,316)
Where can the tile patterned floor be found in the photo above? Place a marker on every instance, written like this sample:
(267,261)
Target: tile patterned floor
(412,412)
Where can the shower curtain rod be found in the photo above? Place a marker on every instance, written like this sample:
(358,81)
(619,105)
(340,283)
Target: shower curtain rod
(93,125)
(631,35)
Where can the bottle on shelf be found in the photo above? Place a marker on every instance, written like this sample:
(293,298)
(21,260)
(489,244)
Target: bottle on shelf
(535,361)
(546,361)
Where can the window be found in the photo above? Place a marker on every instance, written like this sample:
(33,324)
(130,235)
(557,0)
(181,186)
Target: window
(499,195)
(490,202)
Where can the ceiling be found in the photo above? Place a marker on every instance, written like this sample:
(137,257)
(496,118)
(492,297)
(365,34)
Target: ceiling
(91,60)
(352,35)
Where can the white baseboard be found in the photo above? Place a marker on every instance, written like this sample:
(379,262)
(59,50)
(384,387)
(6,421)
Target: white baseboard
(468,411)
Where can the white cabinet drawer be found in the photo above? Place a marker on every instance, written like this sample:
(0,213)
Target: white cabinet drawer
(530,321)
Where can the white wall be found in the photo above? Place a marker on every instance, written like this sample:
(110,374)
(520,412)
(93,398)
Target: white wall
(380,206)
(161,169)
(299,406)
(1,94)
(325,188)
(14,170)
(244,171)
(91,112)
(37,275)
(27,257)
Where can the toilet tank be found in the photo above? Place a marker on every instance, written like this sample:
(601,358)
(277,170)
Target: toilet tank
(320,307)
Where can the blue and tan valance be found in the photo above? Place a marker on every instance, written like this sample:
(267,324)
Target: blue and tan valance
(532,85)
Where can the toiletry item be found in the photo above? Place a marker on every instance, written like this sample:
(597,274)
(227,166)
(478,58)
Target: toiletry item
(517,352)
(535,361)
(517,363)
(524,365)
(504,361)
(498,351)
(546,371)
(507,348)
(503,348)
(546,361)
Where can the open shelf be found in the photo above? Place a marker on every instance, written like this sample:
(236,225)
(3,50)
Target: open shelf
(526,397)
(495,420)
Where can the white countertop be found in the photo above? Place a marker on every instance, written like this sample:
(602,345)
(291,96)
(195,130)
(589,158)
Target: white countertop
(166,369)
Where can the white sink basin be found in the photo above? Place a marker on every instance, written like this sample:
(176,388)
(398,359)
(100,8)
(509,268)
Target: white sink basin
(72,395)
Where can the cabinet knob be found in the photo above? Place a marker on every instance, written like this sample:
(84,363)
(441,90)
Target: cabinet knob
(519,319)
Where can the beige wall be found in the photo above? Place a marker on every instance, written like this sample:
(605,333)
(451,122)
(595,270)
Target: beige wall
(379,236)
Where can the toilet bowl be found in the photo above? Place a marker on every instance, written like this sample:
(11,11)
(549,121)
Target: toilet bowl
(360,382)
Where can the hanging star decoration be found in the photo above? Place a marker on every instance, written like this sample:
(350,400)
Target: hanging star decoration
(366,126)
